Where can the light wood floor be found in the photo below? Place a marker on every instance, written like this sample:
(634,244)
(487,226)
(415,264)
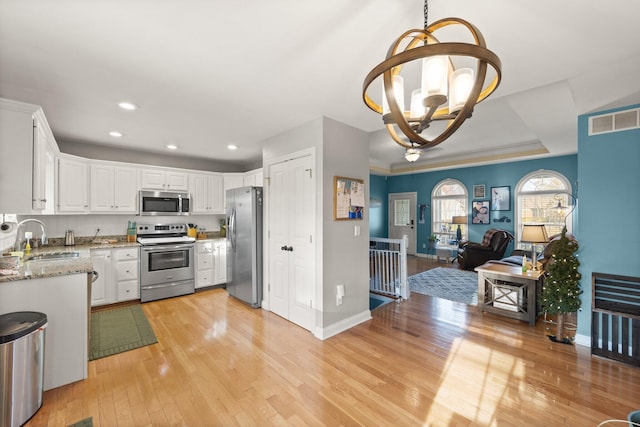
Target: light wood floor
(420,362)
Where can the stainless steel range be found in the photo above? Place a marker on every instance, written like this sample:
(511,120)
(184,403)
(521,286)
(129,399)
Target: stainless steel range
(166,261)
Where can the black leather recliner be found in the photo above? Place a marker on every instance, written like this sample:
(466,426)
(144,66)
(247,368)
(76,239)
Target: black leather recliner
(493,246)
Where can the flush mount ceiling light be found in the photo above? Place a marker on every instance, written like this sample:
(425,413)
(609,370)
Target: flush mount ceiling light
(232,147)
(116,134)
(445,93)
(125,105)
(172,147)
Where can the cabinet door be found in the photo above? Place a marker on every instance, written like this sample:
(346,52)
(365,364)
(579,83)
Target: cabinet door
(128,290)
(126,270)
(125,189)
(198,187)
(101,188)
(43,170)
(152,179)
(100,289)
(220,263)
(72,186)
(177,181)
(216,204)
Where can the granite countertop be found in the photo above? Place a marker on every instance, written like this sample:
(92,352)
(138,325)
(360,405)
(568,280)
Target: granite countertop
(35,269)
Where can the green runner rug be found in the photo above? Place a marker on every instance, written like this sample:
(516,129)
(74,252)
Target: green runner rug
(118,330)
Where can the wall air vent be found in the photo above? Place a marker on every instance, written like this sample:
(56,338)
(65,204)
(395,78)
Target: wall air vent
(614,122)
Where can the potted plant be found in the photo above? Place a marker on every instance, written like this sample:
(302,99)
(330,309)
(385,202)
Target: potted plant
(433,239)
(561,289)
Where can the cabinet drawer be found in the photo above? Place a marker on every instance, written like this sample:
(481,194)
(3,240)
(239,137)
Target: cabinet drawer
(127,270)
(204,247)
(128,253)
(205,261)
(127,290)
(204,278)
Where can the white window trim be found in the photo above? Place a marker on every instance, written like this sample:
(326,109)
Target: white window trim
(465,196)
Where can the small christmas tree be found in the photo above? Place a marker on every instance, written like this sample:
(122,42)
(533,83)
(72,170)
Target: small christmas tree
(561,290)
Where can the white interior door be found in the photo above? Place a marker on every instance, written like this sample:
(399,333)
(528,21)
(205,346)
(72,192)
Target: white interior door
(402,218)
(291,244)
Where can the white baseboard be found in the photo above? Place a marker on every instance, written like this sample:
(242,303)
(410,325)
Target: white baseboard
(583,340)
(343,325)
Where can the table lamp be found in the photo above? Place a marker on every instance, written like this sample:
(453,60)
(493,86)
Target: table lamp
(459,220)
(534,234)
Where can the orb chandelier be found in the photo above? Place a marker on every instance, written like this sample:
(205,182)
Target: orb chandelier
(446,93)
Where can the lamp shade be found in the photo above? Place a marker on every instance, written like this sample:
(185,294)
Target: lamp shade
(459,220)
(534,234)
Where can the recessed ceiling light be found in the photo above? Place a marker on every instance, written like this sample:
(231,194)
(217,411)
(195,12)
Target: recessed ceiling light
(232,147)
(125,105)
(116,134)
(172,147)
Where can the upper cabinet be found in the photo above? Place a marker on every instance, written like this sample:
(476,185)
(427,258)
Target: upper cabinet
(27,159)
(113,188)
(164,179)
(253,178)
(206,193)
(72,185)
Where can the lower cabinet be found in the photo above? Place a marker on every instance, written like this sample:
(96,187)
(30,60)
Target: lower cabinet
(117,275)
(220,262)
(204,264)
(211,267)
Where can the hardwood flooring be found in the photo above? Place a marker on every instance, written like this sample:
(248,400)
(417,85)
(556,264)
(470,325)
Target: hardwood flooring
(420,362)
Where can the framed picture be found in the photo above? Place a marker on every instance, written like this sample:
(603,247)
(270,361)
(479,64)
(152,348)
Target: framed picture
(348,198)
(500,198)
(480,212)
(478,192)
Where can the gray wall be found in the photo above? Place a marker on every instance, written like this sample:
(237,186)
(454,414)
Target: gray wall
(116,154)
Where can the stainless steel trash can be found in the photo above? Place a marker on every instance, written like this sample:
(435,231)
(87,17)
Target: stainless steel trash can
(21,366)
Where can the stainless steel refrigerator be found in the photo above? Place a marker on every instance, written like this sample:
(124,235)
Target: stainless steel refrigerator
(244,244)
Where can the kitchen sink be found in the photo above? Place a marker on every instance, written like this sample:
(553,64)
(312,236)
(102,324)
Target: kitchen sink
(53,256)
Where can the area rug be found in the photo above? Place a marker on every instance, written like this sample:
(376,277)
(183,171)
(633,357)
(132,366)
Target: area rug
(87,422)
(377,301)
(118,330)
(447,283)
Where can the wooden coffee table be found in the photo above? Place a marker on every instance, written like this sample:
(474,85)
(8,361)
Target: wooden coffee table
(507,291)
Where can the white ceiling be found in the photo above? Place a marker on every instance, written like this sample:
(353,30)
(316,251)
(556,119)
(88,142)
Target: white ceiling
(209,73)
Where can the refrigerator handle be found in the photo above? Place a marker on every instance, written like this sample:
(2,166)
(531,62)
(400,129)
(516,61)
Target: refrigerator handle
(232,228)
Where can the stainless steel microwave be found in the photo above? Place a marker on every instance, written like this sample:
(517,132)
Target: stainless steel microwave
(164,203)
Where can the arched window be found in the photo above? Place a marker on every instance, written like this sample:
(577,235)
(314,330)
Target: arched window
(448,199)
(537,196)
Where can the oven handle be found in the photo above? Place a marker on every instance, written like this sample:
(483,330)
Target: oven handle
(157,248)
(232,229)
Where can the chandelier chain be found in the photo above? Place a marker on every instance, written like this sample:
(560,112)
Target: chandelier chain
(426,13)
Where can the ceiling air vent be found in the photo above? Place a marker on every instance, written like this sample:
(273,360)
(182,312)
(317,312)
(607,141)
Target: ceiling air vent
(614,122)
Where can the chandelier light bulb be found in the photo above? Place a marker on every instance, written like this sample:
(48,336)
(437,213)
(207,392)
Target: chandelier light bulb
(398,92)
(461,84)
(435,75)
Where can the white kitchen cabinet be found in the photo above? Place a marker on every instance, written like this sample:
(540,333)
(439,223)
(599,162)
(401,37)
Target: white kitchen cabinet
(27,159)
(164,179)
(204,264)
(118,273)
(101,288)
(72,185)
(126,273)
(220,262)
(113,189)
(206,193)
(253,178)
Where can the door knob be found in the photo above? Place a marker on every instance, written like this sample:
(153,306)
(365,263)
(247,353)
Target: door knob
(284,248)
(290,248)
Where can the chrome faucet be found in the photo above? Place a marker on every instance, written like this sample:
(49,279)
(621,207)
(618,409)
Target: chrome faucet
(43,237)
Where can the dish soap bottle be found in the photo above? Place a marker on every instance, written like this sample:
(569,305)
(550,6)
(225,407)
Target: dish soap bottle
(27,247)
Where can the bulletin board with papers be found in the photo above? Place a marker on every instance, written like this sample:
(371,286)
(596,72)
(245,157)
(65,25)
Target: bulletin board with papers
(348,198)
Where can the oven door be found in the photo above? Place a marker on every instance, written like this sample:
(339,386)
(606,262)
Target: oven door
(166,263)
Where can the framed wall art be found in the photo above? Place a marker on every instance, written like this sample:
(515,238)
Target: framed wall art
(500,198)
(480,212)
(478,192)
(348,198)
